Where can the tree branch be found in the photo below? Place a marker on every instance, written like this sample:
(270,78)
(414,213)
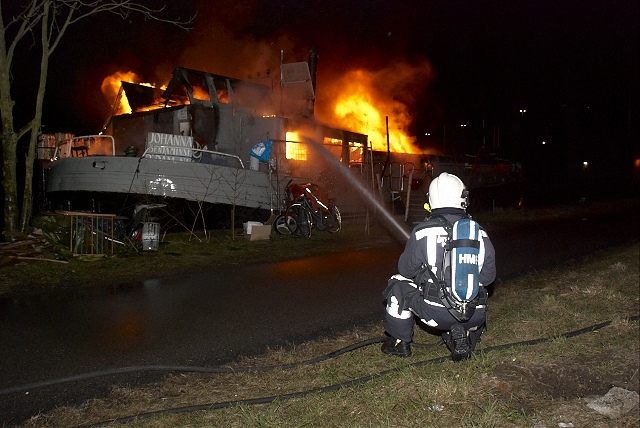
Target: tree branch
(84,9)
(26,128)
(123,8)
(28,20)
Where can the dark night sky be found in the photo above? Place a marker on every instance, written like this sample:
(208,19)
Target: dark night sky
(573,65)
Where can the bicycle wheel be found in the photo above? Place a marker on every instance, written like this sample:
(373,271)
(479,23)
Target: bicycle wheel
(305,223)
(298,220)
(323,220)
(291,218)
(334,221)
(280,225)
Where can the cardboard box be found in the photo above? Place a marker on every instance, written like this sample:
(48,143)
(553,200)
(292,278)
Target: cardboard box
(259,232)
(248,225)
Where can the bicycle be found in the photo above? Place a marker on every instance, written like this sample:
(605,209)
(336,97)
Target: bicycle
(308,209)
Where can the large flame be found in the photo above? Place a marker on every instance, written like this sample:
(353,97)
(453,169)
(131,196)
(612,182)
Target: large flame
(359,110)
(376,103)
(111,88)
(362,101)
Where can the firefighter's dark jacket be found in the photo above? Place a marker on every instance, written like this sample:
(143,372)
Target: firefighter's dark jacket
(426,245)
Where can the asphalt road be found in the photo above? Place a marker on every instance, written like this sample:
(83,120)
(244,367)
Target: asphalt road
(212,317)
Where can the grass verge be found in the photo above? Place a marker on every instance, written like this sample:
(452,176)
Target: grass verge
(543,385)
(183,252)
(179,253)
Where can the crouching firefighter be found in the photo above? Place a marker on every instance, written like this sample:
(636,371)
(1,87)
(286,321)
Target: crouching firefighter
(443,270)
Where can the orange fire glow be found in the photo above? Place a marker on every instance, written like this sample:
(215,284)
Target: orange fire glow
(359,110)
(293,147)
(111,88)
(200,94)
(362,100)
(358,100)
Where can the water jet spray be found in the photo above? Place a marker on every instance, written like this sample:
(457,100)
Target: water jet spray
(397,230)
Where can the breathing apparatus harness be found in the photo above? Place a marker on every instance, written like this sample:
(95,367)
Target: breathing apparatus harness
(437,289)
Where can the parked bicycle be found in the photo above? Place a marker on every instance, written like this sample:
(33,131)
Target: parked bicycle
(308,206)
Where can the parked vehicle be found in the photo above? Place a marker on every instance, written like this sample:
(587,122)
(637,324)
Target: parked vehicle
(308,206)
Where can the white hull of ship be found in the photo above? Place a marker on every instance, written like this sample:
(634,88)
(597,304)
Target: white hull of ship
(190,181)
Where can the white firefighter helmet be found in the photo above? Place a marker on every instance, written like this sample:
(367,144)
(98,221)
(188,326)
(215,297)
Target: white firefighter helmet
(448,191)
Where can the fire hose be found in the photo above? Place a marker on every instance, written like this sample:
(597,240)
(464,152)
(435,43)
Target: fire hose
(270,399)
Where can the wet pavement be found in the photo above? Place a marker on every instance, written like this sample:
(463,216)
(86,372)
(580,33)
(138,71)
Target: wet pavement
(212,317)
(206,319)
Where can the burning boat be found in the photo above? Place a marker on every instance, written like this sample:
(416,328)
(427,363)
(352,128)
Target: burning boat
(224,142)
(206,139)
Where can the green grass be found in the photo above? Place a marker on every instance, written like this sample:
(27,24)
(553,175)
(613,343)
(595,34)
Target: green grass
(178,253)
(184,252)
(542,384)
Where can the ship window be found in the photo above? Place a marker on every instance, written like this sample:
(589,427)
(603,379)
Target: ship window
(199,87)
(336,151)
(294,149)
(221,89)
(332,141)
(355,152)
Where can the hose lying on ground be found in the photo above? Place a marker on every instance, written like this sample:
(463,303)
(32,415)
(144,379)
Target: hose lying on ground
(186,369)
(349,383)
(263,400)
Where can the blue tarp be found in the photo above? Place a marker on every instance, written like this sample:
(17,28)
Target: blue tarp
(261,150)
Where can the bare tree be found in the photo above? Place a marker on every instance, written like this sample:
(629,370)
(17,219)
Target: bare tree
(48,19)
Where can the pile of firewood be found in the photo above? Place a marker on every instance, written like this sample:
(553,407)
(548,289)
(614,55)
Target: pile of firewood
(33,248)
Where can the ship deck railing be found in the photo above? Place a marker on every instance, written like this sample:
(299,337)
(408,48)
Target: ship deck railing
(197,155)
(104,145)
(84,146)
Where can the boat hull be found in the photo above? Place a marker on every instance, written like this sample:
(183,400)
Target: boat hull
(190,181)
